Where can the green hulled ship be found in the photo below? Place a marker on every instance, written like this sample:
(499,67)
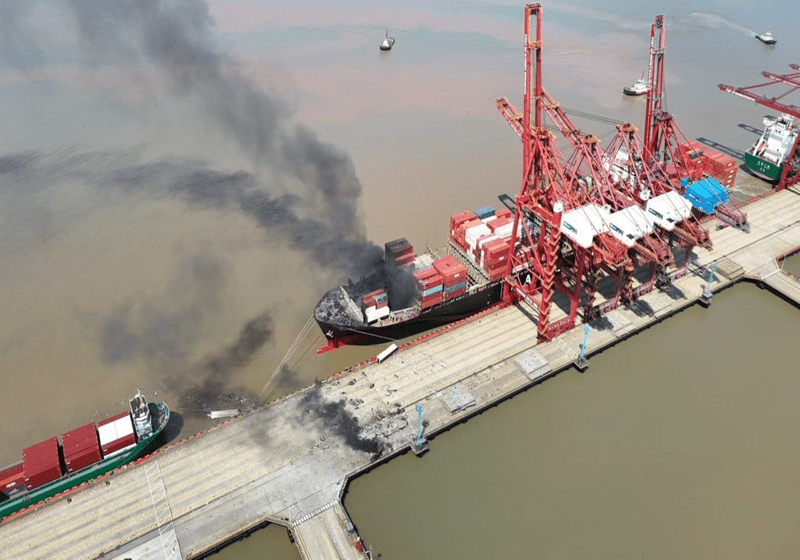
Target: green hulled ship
(50,468)
(775,149)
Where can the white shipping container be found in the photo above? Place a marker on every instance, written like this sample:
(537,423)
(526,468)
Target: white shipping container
(115,430)
(476,232)
(372,315)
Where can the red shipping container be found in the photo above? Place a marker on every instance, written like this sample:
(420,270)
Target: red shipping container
(461,232)
(497,274)
(118,444)
(456,293)
(431,300)
(458,219)
(494,224)
(81,447)
(452,272)
(398,247)
(382,304)
(41,463)
(424,273)
(503,213)
(11,477)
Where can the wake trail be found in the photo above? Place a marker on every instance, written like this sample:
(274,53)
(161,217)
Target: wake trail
(717,21)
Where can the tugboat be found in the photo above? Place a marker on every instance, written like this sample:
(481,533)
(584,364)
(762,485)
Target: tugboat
(768,155)
(388,42)
(766,38)
(639,87)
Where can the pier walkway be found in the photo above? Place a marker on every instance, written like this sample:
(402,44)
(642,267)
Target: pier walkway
(289,462)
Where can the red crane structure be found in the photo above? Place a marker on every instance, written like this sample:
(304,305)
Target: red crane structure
(668,146)
(791,165)
(584,219)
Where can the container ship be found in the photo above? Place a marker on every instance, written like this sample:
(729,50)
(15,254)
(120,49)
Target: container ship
(773,149)
(413,293)
(49,467)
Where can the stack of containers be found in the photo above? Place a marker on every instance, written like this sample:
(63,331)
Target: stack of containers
(429,285)
(399,252)
(454,277)
(456,232)
(81,447)
(376,305)
(11,478)
(116,433)
(473,234)
(494,258)
(460,236)
(41,463)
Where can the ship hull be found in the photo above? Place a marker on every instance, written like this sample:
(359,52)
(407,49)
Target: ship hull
(438,315)
(160,412)
(761,167)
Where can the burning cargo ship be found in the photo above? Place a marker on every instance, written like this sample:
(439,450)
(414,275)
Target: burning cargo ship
(413,293)
(49,468)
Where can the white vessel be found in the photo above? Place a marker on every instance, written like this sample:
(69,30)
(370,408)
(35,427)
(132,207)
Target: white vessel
(388,42)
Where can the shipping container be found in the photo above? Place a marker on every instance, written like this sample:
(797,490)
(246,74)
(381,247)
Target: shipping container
(41,463)
(435,299)
(474,233)
(11,478)
(455,294)
(503,213)
(116,434)
(455,287)
(484,212)
(458,219)
(451,271)
(118,444)
(494,224)
(81,447)
(431,291)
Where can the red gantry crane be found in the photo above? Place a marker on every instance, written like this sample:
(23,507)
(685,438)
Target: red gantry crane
(686,162)
(775,156)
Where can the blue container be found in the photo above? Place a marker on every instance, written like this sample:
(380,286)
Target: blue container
(455,287)
(706,194)
(484,212)
(431,291)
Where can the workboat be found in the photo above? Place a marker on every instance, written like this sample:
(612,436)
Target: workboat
(766,38)
(412,293)
(639,87)
(775,148)
(51,467)
(388,42)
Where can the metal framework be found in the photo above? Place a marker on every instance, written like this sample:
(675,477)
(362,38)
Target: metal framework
(789,172)
(664,140)
(621,179)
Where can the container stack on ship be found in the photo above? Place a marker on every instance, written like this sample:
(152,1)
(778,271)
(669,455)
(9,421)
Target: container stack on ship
(413,293)
(49,468)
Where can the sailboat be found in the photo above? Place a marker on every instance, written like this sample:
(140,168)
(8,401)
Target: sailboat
(388,42)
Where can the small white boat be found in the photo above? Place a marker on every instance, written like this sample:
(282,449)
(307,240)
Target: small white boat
(766,38)
(640,87)
(388,42)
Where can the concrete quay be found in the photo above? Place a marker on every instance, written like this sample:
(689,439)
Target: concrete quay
(289,462)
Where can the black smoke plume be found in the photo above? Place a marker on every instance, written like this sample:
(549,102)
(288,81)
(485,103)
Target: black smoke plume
(338,420)
(312,189)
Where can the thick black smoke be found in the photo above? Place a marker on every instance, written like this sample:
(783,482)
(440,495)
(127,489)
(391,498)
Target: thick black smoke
(338,420)
(212,377)
(312,188)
